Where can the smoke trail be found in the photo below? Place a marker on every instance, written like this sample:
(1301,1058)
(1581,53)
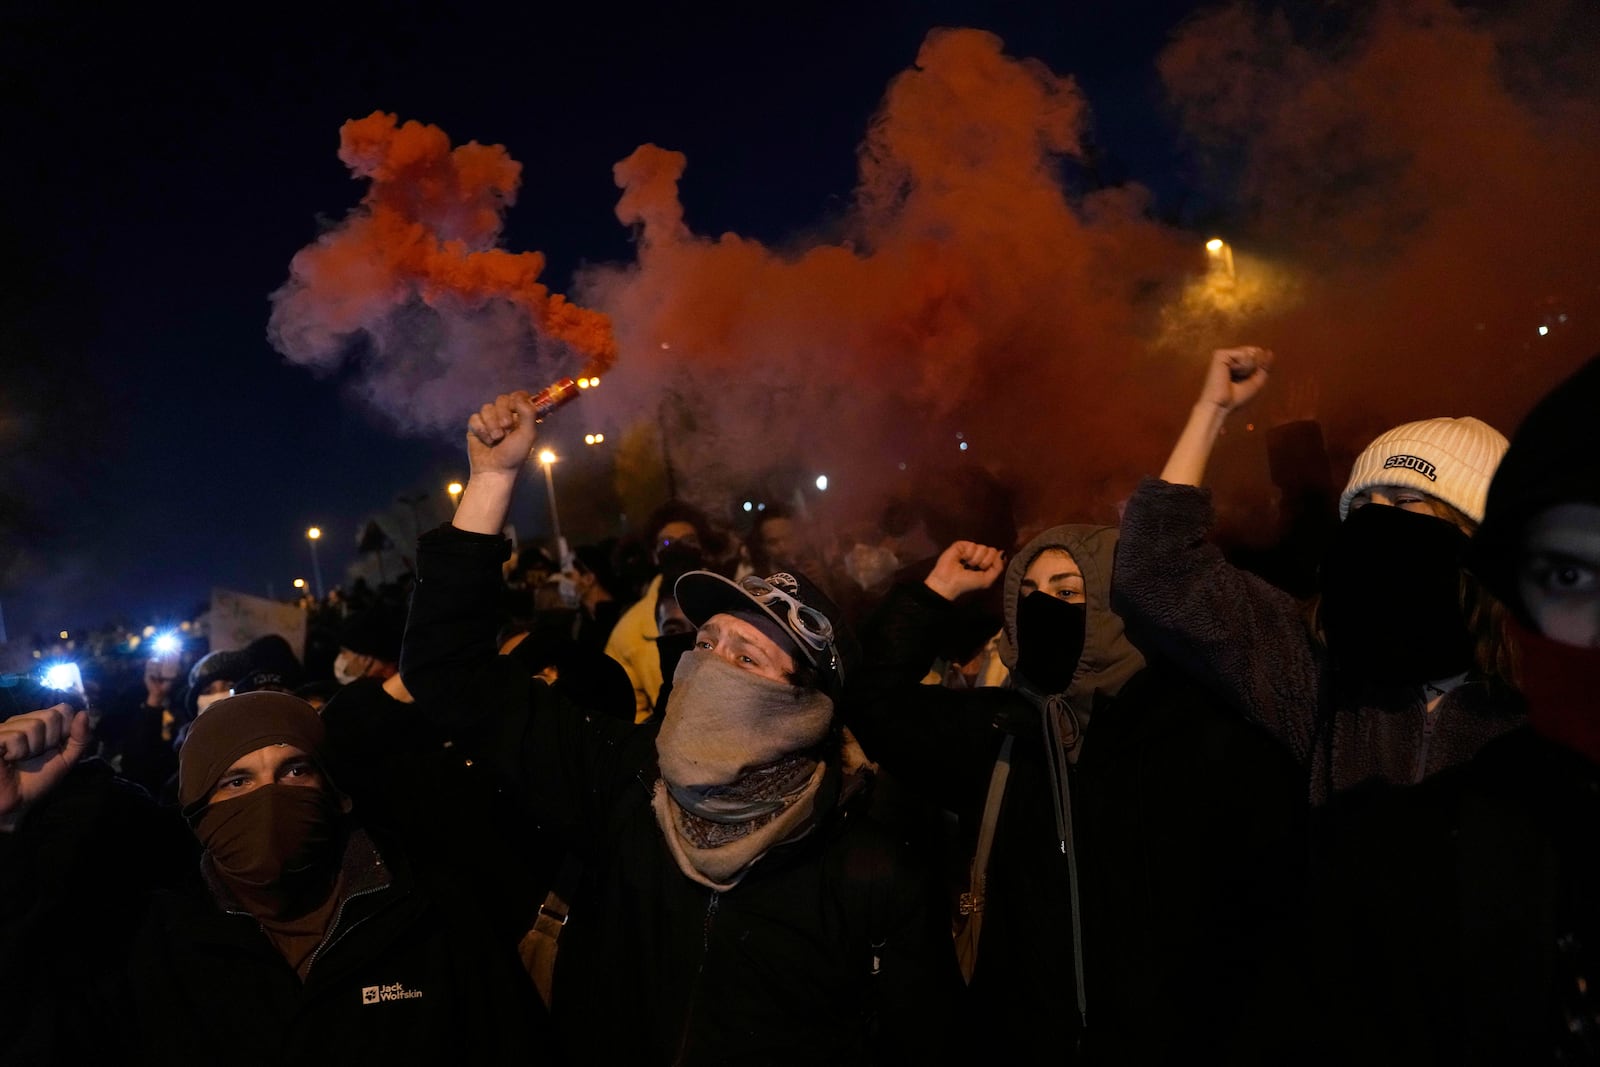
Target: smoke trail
(412,287)
(968,295)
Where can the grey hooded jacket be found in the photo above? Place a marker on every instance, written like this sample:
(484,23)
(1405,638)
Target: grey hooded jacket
(1250,644)
(1161,853)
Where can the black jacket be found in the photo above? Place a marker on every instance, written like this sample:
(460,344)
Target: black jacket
(1459,921)
(830,950)
(409,778)
(1185,824)
(400,978)
(75,878)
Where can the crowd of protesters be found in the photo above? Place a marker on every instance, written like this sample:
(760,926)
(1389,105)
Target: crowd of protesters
(1098,795)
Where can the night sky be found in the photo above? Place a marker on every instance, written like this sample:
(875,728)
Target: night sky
(164,167)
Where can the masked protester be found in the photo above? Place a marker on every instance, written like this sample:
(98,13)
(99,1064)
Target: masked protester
(1402,669)
(1459,921)
(369,646)
(311,940)
(1531,816)
(736,903)
(682,539)
(212,678)
(1130,842)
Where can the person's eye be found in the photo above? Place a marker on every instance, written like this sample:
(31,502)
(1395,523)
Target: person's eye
(236,782)
(703,643)
(1566,578)
(747,659)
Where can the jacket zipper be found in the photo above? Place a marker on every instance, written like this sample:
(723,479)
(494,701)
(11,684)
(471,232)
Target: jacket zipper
(334,933)
(694,994)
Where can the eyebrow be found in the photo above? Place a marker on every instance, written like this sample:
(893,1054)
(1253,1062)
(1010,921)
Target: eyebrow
(739,642)
(235,770)
(1557,556)
(1064,575)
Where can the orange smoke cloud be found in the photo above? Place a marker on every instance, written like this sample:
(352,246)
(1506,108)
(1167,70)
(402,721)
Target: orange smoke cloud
(1409,201)
(965,294)
(1428,175)
(1408,204)
(412,284)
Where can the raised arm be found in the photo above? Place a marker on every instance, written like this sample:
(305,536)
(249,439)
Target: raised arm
(941,741)
(499,437)
(36,751)
(1234,377)
(1243,638)
(560,759)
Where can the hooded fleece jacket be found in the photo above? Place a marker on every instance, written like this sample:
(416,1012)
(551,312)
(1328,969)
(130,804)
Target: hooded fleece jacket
(1181,856)
(1252,646)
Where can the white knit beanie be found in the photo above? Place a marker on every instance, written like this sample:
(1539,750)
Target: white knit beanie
(1452,460)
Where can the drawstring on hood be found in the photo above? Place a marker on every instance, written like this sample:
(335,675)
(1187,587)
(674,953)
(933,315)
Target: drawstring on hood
(1108,658)
(1105,661)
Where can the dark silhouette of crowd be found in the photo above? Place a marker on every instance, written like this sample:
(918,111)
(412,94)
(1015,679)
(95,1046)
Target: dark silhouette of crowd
(937,790)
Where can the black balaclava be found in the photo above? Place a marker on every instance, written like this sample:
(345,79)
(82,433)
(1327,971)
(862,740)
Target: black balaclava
(670,648)
(1391,598)
(1050,637)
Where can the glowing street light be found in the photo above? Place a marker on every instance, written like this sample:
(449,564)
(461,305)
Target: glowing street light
(822,483)
(313,535)
(594,438)
(64,635)
(454,489)
(588,383)
(299,583)
(547,460)
(1220,254)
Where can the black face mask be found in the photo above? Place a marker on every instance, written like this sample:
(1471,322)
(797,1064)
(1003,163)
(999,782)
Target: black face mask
(1050,637)
(670,648)
(1391,598)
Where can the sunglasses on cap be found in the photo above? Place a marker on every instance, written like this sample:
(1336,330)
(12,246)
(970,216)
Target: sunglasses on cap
(807,623)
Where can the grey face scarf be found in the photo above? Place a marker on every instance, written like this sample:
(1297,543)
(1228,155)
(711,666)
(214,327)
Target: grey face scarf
(735,776)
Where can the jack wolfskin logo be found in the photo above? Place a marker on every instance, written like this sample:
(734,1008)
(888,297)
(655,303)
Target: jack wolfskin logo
(378,994)
(1413,463)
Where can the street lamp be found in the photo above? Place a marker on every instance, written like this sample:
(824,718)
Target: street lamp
(1220,255)
(547,460)
(313,535)
(594,438)
(454,489)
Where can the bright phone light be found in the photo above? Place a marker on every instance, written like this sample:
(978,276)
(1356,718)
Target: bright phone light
(166,644)
(63,676)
